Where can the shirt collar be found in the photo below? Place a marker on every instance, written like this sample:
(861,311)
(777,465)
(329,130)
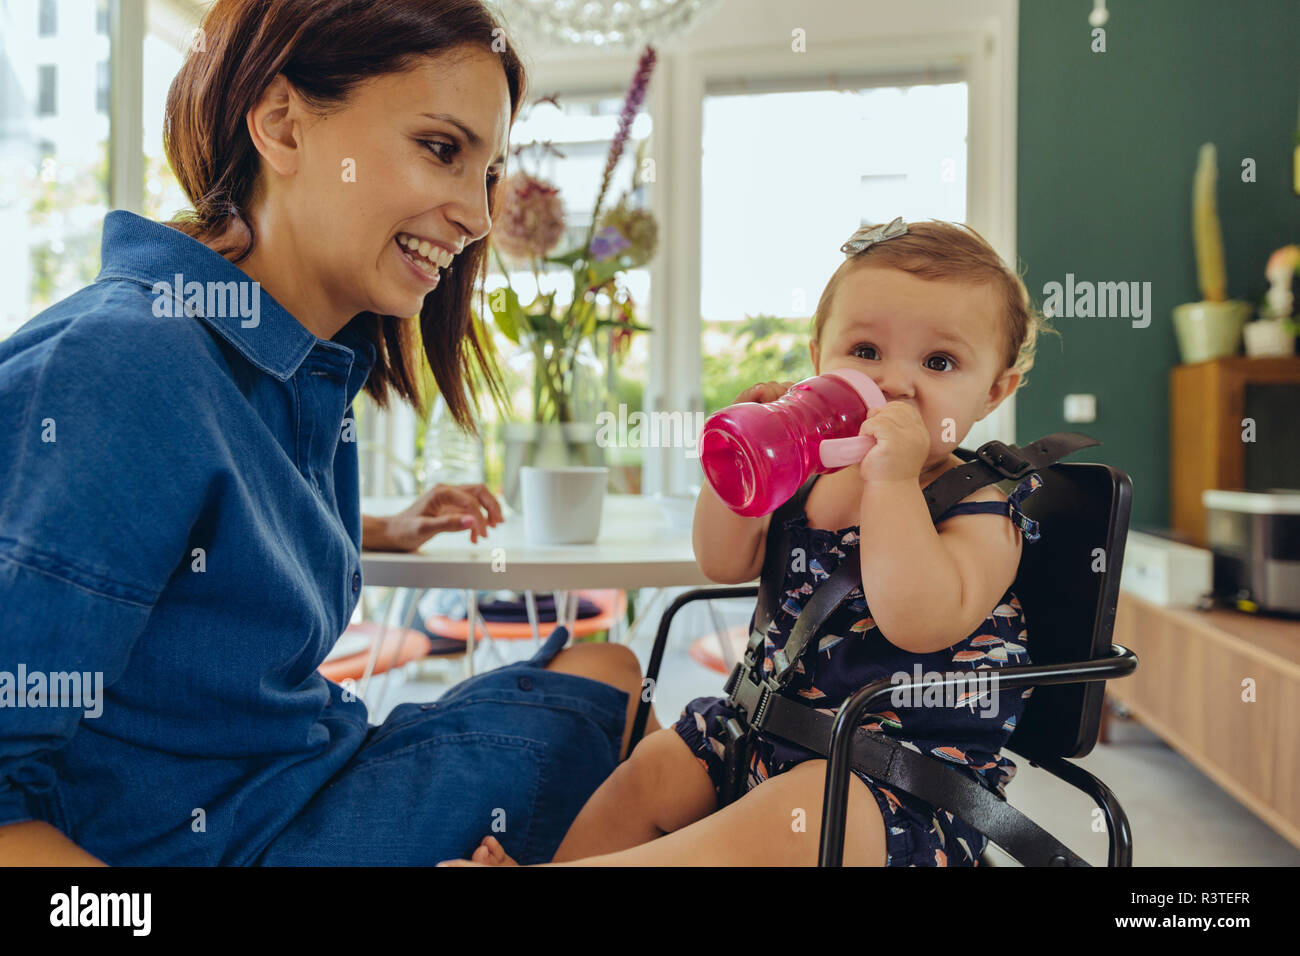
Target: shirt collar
(140,249)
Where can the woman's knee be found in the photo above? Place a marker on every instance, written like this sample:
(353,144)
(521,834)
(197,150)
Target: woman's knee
(611,664)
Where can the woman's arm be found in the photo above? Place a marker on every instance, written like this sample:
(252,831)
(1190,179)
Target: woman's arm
(36,843)
(374,534)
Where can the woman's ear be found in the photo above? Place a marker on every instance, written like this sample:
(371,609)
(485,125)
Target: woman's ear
(274,127)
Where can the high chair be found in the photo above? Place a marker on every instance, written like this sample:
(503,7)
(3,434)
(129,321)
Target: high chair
(1068,585)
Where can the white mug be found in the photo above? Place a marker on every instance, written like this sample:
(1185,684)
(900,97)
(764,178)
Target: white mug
(562,505)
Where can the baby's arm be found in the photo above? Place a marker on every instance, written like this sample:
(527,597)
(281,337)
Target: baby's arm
(927,586)
(729,548)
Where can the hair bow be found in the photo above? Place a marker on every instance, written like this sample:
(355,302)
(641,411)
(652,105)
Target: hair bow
(865,238)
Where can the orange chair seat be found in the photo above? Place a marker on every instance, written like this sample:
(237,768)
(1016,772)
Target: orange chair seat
(414,646)
(612,604)
(704,650)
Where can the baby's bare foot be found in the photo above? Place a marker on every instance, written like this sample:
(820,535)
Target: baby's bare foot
(491,853)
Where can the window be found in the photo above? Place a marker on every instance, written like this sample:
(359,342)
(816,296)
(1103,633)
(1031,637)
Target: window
(101,87)
(101,17)
(47,18)
(53,164)
(167,29)
(46,86)
(770,238)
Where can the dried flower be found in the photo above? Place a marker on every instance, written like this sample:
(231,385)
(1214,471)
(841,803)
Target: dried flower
(608,243)
(631,106)
(637,227)
(532,221)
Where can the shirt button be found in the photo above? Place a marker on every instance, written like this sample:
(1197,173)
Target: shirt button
(525,683)
(356,581)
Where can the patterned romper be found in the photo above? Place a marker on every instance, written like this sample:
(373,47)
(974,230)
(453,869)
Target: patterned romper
(849,652)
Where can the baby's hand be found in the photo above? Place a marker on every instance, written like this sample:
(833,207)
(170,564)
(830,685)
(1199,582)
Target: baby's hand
(763,392)
(902,443)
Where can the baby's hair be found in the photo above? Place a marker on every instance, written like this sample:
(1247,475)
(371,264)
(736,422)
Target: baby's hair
(955,251)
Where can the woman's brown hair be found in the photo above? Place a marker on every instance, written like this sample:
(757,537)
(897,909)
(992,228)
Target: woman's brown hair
(953,251)
(325,48)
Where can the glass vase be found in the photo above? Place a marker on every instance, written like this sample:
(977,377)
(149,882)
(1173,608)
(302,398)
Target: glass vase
(556,393)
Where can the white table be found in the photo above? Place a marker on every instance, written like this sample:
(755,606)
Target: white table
(637,548)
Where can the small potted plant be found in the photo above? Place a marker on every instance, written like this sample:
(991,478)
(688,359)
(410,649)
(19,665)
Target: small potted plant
(1211,328)
(1274,332)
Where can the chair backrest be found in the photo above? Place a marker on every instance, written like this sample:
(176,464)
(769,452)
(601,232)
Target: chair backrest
(1068,585)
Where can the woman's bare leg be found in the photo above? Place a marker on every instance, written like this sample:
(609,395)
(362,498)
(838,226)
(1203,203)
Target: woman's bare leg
(662,787)
(612,664)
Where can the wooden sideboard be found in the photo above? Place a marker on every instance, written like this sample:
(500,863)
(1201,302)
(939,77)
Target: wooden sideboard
(1207,404)
(1188,689)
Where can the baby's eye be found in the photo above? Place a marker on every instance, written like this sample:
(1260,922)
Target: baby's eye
(858,348)
(943,358)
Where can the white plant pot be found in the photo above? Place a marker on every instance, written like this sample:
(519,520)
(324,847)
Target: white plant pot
(1268,337)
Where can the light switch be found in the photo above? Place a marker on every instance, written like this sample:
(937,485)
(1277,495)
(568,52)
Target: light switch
(1080,408)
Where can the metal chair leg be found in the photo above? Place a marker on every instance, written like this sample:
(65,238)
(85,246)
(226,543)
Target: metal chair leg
(376,645)
(530,602)
(397,651)
(724,644)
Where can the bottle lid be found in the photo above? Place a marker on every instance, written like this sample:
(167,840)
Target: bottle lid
(867,390)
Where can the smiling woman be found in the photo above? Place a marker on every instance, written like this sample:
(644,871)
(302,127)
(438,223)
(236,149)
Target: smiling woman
(179,502)
(311,138)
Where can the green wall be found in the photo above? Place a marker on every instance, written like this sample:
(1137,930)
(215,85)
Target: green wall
(1107,146)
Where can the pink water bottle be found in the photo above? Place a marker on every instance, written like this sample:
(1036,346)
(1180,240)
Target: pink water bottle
(756,455)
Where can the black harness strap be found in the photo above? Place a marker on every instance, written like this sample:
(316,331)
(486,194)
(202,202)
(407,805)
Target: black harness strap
(994,461)
(758,700)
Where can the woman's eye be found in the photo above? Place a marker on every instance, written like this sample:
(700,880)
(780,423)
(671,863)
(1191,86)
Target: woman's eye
(433,145)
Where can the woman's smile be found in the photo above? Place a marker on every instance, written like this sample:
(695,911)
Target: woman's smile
(421,269)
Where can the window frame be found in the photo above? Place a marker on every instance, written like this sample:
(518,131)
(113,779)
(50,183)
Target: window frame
(986,57)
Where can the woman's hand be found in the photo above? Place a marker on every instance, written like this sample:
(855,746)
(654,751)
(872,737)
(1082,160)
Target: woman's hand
(444,508)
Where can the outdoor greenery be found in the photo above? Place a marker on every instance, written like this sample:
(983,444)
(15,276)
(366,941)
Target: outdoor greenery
(762,348)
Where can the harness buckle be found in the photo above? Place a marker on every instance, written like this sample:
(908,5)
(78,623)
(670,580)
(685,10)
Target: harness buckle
(733,681)
(761,706)
(1003,460)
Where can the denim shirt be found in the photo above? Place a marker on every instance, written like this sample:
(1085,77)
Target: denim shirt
(179,522)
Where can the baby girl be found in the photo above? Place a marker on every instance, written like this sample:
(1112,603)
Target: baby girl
(947,332)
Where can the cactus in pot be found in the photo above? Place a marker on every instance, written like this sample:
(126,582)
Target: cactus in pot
(1212,327)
